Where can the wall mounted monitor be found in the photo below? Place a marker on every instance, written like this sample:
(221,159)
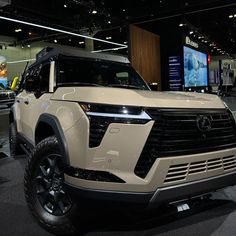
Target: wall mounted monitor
(195,68)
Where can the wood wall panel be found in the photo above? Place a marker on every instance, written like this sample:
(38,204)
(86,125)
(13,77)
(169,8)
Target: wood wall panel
(145,54)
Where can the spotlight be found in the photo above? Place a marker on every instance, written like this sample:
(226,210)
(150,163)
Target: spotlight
(94,12)
(55,41)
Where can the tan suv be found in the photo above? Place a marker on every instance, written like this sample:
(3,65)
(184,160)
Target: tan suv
(94,131)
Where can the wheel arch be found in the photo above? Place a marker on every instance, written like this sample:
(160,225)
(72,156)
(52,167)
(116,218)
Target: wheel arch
(49,125)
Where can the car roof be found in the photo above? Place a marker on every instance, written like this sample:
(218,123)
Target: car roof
(48,53)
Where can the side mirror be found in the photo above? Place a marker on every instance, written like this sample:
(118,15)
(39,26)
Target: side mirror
(32,83)
(37,93)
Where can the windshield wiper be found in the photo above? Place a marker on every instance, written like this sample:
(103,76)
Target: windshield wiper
(79,84)
(125,86)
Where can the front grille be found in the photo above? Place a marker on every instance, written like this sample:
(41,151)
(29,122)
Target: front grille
(176,132)
(3,95)
(181,171)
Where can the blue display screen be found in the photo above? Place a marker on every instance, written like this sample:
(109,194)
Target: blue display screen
(195,68)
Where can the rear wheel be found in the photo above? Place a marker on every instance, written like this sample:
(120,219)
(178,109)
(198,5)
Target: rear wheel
(44,189)
(14,142)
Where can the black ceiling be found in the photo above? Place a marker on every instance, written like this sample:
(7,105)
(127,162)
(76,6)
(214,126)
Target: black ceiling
(208,18)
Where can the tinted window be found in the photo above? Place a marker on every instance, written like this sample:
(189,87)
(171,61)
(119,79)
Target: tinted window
(44,78)
(98,73)
(31,82)
(38,79)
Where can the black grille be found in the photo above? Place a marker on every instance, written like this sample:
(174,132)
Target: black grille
(175,132)
(3,95)
(98,127)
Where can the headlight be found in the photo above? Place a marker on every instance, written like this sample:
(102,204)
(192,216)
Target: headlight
(115,111)
(101,116)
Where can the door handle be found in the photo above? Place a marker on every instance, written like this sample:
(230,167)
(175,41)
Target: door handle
(26,102)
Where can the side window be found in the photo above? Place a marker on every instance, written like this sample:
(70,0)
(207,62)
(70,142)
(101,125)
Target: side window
(31,81)
(44,78)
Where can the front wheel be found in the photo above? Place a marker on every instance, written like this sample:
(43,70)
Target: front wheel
(44,189)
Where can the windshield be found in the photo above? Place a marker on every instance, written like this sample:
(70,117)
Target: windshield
(85,72)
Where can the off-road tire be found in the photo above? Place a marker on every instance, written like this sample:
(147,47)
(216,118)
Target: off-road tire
(56,224)
(14,142)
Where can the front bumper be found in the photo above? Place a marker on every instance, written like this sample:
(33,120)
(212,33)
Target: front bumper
(160,196)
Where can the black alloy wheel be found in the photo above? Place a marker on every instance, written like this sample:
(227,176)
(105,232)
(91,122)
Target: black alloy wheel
(49,182)
(46,197)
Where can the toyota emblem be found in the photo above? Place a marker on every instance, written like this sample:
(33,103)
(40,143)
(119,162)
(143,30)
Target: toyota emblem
(203,123)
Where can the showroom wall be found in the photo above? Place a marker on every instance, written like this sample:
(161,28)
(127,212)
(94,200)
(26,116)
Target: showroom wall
(15,54)
(145,54)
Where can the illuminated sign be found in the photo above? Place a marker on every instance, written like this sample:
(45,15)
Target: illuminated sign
(188,41)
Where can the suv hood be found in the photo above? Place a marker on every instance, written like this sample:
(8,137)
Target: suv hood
(120,96)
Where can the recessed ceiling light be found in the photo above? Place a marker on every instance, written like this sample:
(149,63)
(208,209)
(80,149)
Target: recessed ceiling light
(109,37)
(181,25)
(28,45)
(191,32)
(18,30)
(125,42)
(65,5)
(69,40)
(81,42)
(231,16)
(30,33)
(234,15)
(55,41)
(109,22)
(94,12)
(123,10)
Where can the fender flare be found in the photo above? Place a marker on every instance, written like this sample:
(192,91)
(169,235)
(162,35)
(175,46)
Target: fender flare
(56,126)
